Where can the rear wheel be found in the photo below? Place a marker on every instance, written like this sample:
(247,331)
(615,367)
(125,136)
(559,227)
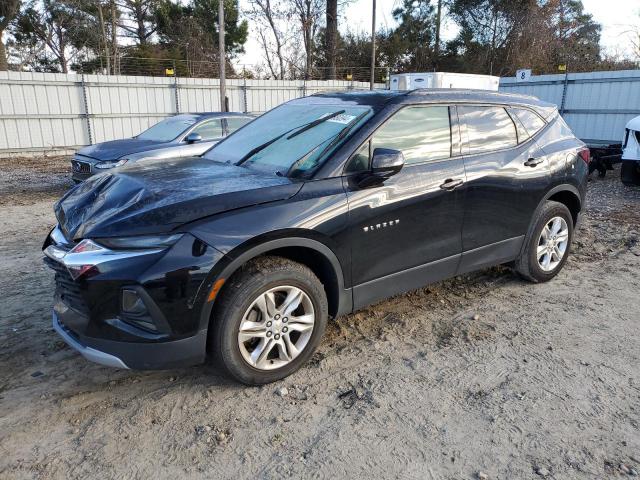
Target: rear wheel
(547,244)
(269,320)
(630,172)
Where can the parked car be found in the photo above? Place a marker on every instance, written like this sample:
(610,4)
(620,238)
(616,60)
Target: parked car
(184,135)
(318,208)
(630,171)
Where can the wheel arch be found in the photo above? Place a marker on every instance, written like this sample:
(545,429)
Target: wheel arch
(312,253)
(569,196)
(566,194)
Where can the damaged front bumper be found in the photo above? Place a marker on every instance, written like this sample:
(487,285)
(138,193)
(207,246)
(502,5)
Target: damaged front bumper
(89,353)
(136,309)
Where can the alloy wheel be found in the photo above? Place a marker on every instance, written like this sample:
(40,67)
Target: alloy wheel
(552,244)
(276,327)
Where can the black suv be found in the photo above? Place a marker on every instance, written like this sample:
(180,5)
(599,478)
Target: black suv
(315,209)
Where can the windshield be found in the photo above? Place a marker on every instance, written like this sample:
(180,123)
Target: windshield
(290,139)
(169,128)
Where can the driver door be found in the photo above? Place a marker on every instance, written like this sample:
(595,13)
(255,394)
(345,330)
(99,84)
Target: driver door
(406,231)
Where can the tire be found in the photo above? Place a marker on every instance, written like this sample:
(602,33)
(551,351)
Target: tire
(630,172)
(254,298)
(532,267)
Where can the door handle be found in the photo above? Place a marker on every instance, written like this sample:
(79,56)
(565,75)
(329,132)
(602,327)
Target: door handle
(532,162)
(451,183)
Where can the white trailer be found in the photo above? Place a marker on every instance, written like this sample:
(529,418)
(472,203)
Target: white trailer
(412,81)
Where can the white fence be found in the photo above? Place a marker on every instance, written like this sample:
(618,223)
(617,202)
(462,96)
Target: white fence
(596,105)
(51,112)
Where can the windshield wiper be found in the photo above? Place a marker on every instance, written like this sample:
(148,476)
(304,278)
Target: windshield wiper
(309,126)
(302,128)
(335,139)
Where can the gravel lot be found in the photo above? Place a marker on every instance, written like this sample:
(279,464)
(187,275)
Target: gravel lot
(480,375)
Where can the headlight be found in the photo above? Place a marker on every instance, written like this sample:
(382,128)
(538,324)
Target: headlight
(133,243)
(112,164)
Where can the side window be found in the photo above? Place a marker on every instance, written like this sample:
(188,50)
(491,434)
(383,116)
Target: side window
(359,162)
(420,133)
(234,123)
(523,135)
(209,130)
(531,122)
(488,128)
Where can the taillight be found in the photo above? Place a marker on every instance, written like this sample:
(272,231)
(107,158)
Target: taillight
(585,155)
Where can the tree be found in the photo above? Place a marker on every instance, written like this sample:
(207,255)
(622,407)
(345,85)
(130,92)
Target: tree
(413,38)
(576,37)
(436,45)
(189,31)
(138,21)
(308,12)
(196,22)
(8,11)
(57,28)
(271,18)
(331,36)
(486,27)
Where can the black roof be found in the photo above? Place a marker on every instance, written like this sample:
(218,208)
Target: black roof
(379,98)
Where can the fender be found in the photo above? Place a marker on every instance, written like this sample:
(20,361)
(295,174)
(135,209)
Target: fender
(564,187)
(240,256)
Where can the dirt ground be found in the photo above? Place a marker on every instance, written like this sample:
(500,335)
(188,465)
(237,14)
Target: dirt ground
(483,374)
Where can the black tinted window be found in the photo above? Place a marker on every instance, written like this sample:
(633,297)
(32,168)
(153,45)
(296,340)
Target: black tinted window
(488,128)
(420,133)
(530,121)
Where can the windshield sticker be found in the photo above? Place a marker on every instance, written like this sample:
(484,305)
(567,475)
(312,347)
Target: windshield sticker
(343,118)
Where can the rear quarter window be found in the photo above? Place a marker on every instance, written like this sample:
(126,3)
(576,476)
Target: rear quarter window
(531,121)
(488,128)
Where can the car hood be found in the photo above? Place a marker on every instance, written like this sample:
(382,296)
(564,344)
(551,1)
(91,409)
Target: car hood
(117,148)
(157,196)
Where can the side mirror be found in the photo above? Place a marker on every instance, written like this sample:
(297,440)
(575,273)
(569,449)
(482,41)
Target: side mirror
(193,138)
(386,162)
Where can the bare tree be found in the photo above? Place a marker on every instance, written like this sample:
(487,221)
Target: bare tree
(269,16)
(308,13)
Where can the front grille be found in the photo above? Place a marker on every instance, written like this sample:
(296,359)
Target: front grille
(81,167)
(67,289)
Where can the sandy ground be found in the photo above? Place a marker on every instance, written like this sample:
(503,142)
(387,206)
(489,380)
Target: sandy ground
(545,381)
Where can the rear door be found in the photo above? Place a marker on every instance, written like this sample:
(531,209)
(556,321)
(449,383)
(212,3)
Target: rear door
(507,175)
(406,231)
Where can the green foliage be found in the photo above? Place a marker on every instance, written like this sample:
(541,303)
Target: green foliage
(495,37)
(193,28)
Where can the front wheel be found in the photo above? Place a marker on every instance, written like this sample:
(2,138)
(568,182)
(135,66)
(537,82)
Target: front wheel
(547,245)
(269,320)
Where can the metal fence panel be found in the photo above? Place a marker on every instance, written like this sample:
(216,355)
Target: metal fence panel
(597,105)
(46,111)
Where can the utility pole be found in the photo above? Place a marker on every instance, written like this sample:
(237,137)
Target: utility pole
(436,47)
(373,46)
(223,93)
